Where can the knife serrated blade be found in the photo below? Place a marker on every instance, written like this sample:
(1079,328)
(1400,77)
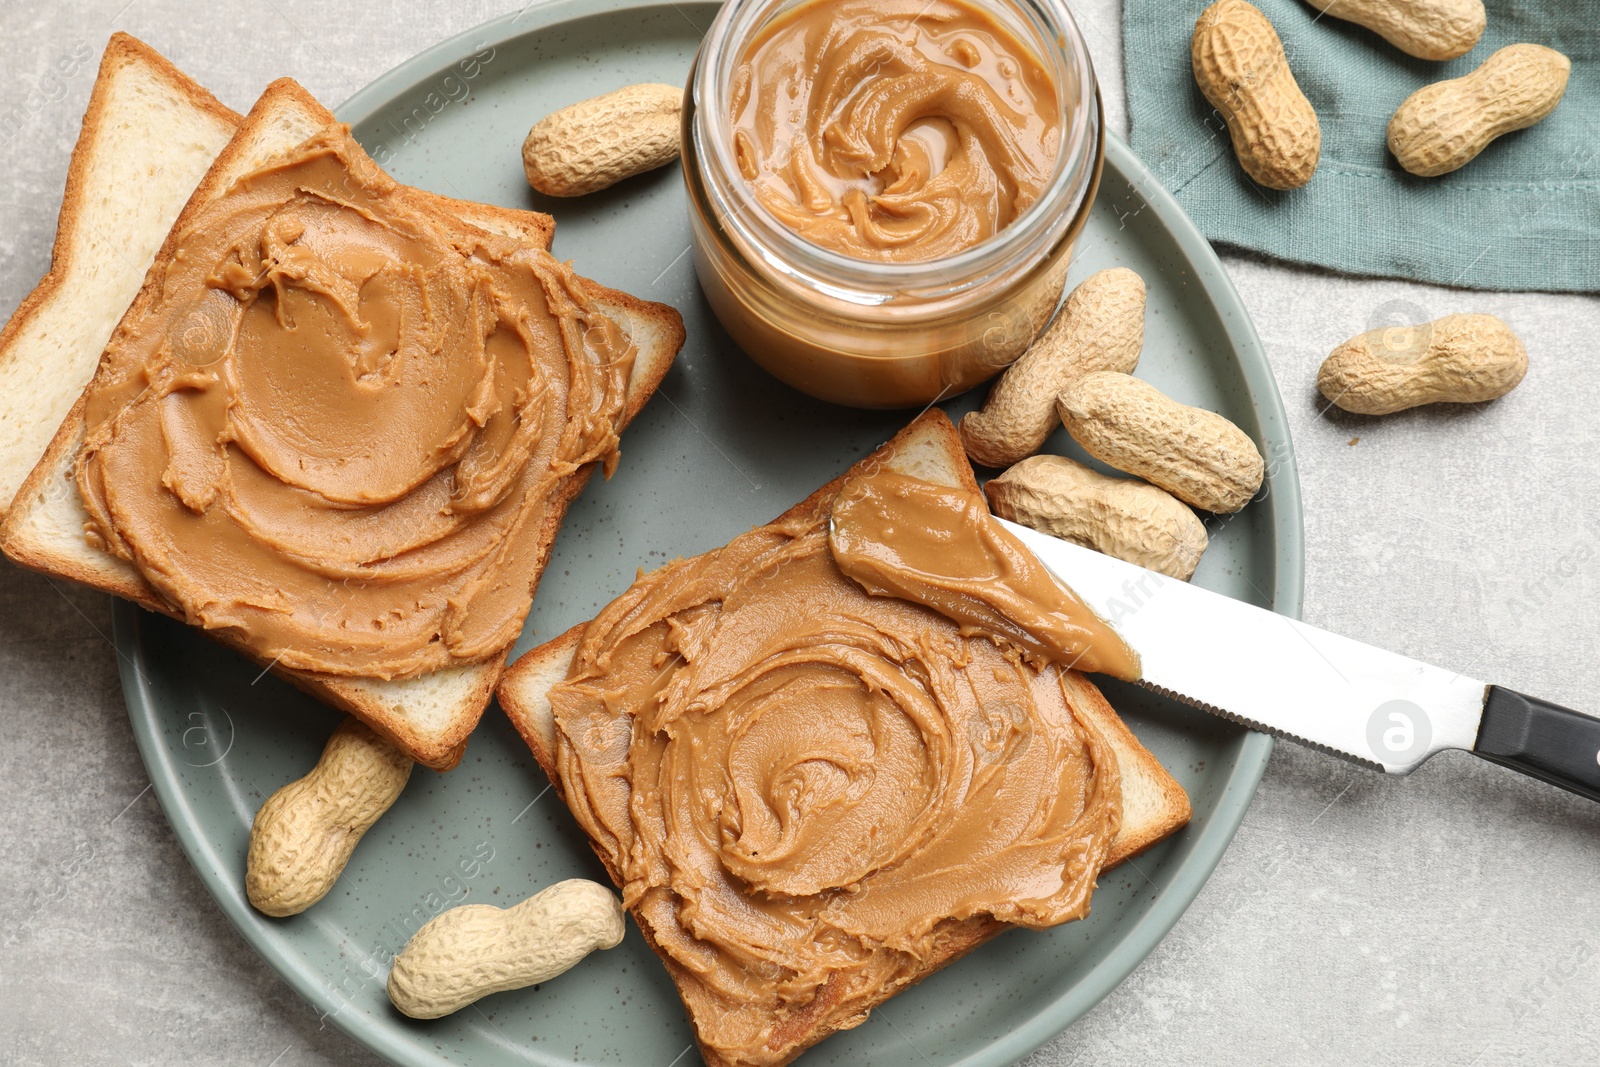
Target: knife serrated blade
(1269,671)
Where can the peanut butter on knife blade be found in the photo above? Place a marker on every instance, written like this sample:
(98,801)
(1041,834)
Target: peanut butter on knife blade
(938,546)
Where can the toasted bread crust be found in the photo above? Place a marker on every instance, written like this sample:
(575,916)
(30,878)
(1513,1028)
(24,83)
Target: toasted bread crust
(520,689)
(1174,803)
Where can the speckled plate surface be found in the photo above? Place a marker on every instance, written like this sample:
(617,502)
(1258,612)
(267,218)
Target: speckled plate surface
(722,447)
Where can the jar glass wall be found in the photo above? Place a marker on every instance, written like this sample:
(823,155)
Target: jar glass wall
(884,334)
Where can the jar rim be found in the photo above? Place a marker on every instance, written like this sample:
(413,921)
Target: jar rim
(780,251)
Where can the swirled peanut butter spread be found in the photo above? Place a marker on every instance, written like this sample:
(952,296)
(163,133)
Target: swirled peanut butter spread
(895,130)
(336,431)
(938,545)
(809,793)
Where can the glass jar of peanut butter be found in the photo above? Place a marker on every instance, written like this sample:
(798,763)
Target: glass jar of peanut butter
(884,194)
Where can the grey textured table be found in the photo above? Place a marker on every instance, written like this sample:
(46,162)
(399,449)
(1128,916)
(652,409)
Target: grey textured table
(1452,917)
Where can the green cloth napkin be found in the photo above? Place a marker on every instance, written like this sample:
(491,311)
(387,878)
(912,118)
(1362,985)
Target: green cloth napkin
(1524,215)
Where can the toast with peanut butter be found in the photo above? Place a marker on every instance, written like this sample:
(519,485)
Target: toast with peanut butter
(813,797)
(177,452)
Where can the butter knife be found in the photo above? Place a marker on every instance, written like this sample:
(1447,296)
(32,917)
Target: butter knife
(1275,674)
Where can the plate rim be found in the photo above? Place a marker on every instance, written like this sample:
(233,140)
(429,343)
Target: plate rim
(386,1038)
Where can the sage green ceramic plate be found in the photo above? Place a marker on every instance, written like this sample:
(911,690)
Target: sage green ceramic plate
(722,447)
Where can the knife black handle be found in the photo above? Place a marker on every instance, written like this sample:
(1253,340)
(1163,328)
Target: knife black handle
(1540,739)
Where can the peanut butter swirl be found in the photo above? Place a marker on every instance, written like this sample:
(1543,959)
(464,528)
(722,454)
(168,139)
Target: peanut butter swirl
(894,130)
(335,431)
(807,790)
